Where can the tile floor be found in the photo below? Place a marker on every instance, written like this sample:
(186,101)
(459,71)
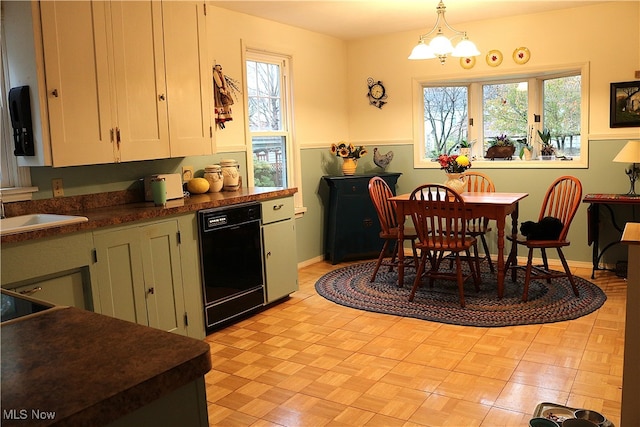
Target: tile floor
(310,362)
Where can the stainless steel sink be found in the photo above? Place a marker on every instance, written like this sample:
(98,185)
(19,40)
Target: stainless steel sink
(22,223)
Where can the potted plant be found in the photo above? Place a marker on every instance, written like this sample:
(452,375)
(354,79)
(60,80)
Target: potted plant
(465,147)
(526,149)
(501,147)
(547,150)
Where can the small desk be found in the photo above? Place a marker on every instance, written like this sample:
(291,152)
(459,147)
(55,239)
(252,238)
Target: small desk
(490,205)
(593,222)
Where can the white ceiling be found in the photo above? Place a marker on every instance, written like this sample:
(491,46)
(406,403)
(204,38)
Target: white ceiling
(352,19)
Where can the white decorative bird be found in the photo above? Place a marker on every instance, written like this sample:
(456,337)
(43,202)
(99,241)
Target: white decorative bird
(382,160)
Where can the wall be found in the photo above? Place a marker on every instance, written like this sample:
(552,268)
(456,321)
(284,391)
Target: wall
(330,104)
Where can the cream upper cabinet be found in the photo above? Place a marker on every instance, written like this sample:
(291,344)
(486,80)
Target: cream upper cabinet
(138,62)
(78,91)
(126,80)
(189,79)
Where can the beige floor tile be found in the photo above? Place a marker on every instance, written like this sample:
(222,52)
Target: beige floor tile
(310,362)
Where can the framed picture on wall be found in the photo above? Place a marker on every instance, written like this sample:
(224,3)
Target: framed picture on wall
(625,104)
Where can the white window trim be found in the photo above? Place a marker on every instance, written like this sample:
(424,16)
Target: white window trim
(419,161)
(294,171)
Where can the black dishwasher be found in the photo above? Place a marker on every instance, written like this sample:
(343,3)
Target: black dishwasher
(231,260)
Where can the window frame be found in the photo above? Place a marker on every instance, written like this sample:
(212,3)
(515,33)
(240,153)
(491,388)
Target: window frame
(293,170)
(534,76)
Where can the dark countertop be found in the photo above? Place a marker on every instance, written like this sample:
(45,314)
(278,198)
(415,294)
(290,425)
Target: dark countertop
(57,362)
(114,208)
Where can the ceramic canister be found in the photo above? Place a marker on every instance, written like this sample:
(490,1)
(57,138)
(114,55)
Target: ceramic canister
(230,174)
(213,174)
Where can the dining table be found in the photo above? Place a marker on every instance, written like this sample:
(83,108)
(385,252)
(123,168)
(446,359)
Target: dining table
(492,205)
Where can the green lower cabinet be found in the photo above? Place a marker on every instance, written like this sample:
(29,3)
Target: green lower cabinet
(139,277)
(55,270)
(279,248)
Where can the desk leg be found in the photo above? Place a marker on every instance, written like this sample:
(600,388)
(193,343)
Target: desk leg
(593,219)
(400,246)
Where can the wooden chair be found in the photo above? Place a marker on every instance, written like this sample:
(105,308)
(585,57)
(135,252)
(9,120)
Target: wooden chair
(440,218)
(380,193)
(477,182)
(561,201)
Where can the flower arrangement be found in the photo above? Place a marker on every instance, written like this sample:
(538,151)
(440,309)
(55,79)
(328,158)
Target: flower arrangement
(501,140)
(454,163)
(348,151)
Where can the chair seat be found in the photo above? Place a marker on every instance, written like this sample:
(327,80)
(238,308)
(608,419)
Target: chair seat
(522,240)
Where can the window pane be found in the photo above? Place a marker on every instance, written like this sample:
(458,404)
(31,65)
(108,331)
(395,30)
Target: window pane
(445,119)
(562,100)
(504,111)
(263,88)
(269,161)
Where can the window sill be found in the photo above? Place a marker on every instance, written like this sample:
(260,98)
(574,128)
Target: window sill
(514,164)
(17,194)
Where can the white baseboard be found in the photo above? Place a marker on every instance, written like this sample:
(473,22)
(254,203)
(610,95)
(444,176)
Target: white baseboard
(521,261)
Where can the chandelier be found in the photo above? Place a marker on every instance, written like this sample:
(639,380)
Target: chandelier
(440,45)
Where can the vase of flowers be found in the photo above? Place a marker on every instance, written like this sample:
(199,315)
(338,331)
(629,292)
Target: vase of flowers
(454,166)
(349,154)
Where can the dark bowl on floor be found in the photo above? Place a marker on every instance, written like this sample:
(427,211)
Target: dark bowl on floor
(593,416)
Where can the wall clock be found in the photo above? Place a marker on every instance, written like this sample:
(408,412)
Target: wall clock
(377,93)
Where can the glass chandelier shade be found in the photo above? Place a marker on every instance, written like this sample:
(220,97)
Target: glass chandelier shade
(440,45)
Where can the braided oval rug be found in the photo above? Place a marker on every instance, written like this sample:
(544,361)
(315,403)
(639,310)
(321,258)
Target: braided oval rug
(547,303)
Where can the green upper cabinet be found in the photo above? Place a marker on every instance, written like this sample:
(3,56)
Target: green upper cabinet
(117,80)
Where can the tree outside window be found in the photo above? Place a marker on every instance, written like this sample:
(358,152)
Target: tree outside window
(516,107)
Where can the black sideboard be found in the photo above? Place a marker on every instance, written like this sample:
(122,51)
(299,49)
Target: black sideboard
(352,228)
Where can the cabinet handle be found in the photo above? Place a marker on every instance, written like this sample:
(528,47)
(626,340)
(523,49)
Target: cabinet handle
(54,93)
(31,291)
(367,222)
(278,207)
(161,97)
(269,253)
(151,291)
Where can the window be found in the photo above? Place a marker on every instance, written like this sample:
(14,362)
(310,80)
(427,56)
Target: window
(478,111)
(11,174)
(268,90)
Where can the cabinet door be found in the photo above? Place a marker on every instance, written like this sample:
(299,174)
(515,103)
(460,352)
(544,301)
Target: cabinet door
(279,242)
(138,59)
(189,78)
(163,277)
(120,274)
(75,38)
(67,289)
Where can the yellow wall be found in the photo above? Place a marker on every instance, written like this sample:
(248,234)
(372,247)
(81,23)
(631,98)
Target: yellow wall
(319,74)
(604,35)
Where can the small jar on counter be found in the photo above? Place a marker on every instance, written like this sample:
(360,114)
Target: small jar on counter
(230,174)
(213,174)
